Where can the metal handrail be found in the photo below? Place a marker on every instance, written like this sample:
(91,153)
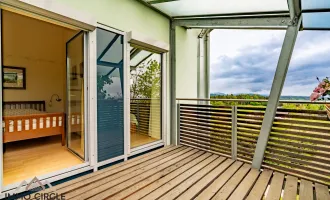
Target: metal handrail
(255,100)
(146,99)
(299,141)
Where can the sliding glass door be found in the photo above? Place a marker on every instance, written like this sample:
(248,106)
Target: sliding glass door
(75,129)
(145,93)
(110,95)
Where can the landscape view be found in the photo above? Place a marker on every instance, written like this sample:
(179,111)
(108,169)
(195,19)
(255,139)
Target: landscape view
(265,97)
(243,64)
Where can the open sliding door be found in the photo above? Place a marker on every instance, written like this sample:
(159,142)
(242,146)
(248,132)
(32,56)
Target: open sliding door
(75,129)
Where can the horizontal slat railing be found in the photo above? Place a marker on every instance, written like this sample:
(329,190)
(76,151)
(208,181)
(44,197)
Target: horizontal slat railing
(206,127)
(140,108)
(249,119)
(299,142)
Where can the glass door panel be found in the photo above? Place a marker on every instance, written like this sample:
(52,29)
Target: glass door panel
(75,95)
(110,95)
(145,93)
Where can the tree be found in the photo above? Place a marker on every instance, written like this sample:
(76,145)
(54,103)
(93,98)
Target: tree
(102,80)
(146,80)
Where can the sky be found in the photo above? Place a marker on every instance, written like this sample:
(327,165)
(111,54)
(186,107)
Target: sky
(244,61)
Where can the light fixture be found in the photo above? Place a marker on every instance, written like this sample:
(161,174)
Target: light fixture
(58,99)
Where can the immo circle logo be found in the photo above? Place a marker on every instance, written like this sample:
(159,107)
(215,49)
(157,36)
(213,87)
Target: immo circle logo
(36,190)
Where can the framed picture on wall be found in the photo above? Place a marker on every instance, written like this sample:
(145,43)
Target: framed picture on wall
(13,78)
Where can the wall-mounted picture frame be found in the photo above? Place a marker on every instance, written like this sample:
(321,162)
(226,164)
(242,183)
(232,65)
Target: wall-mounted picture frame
(13,78)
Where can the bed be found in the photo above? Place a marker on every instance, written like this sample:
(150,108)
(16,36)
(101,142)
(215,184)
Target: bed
(24,120)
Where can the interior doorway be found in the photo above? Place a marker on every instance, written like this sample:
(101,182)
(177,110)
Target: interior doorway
(43,73)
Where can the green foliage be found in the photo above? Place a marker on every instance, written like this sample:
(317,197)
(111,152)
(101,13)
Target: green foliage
(146,80)
(102,80)
(238,96)
(256,96)
(303,106)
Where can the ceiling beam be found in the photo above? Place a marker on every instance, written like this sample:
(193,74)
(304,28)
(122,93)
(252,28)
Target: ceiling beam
(160,1)
(267,21)
(235,15)
(153,8)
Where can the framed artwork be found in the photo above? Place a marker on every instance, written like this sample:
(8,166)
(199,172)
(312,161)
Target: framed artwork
(13,78)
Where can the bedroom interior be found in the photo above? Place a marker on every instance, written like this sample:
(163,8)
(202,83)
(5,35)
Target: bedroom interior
(43,102)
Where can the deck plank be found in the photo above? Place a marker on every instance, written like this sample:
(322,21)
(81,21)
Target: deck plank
(96,187)
(171,184)
(148,189)
(138,161)
(213,188)
(244,188)
(290,189)
(260,186)
(180,172)
(306,190)
(232,184)
(322,192)
(276,185)
(136,187)
(193,191)
(175,192)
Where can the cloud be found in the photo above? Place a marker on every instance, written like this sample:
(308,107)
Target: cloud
(249,64)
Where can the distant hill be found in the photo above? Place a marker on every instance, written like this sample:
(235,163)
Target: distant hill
(295,98)
(217,94)
(263,96)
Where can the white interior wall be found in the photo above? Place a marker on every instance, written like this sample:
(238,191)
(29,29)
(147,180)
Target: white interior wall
(26,43)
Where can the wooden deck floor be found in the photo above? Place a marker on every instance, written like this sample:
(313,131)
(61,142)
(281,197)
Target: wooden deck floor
(178,172)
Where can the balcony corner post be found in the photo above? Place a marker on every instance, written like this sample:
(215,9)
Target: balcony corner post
(234,133)
(172,72)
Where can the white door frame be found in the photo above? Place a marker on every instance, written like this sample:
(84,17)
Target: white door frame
(62,17)
(126,96)
(161,48)
(1,128)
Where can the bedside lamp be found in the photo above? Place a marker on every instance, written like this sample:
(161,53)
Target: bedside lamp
(58,99)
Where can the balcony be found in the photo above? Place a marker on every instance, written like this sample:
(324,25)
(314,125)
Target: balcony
(213,159)
(299,142)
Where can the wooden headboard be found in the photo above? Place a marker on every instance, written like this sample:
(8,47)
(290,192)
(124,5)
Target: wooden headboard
(37,105)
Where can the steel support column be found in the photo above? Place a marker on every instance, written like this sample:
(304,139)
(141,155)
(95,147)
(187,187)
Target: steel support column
(200,70)
(275,93)
(173,114)
(203,68)
(207,64)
